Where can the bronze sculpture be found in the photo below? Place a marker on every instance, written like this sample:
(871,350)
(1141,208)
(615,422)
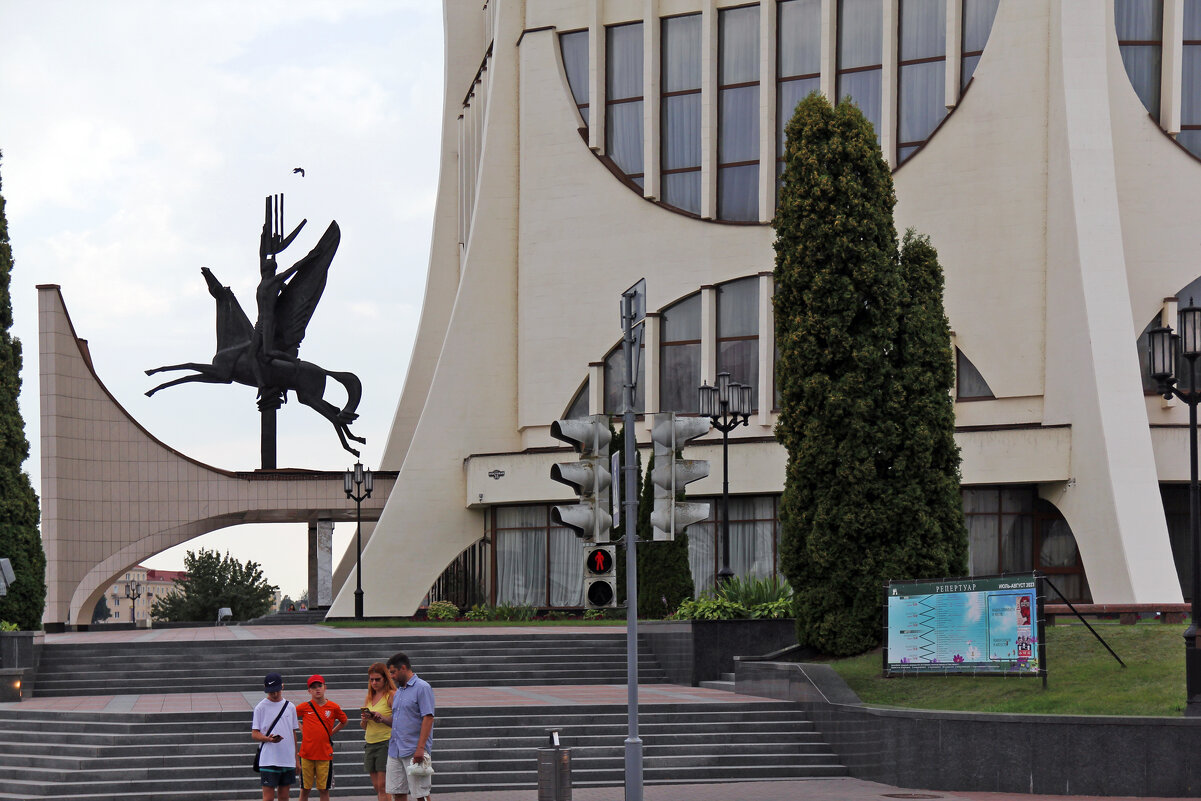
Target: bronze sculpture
(266,355)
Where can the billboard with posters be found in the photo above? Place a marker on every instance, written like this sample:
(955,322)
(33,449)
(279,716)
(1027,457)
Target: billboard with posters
(983,625)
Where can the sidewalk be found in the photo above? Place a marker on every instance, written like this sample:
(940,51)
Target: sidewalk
(807,790)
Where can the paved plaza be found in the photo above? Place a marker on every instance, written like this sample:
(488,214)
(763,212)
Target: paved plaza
(243,699)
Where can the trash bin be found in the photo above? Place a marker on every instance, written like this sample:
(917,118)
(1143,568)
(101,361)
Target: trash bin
(554,771)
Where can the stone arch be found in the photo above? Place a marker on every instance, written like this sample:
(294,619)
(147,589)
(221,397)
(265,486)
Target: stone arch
(114,495)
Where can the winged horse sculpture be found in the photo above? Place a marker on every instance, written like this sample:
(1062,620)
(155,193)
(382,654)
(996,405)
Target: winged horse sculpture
(266,355)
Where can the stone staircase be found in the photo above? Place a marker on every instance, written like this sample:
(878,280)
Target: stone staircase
(306,617)
(239,665)
(206,756)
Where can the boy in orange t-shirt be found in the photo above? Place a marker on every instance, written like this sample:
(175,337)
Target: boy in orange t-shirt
(319,720)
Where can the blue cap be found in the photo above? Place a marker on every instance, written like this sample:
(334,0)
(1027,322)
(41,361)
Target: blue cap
(273,683)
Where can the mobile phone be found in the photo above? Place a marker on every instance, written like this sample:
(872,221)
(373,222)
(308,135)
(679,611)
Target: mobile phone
(364,711)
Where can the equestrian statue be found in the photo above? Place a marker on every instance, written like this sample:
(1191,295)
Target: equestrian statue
(266,355)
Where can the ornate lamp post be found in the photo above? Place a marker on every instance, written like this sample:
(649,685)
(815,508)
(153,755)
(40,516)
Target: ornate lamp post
(1165,346)
(133,591)
(727,405)
(357,483)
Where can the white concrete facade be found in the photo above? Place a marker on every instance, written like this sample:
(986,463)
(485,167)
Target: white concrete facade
(1062,213)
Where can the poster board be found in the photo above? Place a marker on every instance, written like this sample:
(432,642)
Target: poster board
(976,626)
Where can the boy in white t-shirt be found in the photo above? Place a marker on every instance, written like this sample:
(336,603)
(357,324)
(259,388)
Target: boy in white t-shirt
(278,760)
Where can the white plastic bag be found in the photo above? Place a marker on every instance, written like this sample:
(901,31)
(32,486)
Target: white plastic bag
(422,768)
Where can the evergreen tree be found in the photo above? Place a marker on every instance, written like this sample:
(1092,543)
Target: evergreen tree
(862,388)
(101,612)
(212,582)
(664,576)
(20,541)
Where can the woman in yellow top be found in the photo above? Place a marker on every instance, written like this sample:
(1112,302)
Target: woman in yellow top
(380,690)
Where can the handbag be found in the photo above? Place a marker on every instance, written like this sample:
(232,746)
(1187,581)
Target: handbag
(259,751)
(329,784)
(423,768)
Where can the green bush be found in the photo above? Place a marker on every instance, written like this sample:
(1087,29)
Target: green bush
(442,610)
(6,626)
(710,607)
(507,611)
(750,591)
(477,612)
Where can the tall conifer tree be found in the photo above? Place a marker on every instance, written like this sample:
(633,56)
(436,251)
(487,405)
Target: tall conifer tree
(20,541)
(858,508)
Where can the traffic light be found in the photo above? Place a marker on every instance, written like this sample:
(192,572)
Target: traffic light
(671,474)
(600,579)
(589,477)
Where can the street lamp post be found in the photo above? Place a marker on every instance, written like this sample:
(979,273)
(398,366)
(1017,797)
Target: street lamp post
(727,405)
(1165,346)
(357,483)
(133,591)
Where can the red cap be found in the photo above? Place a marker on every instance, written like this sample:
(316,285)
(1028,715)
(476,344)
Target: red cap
(315,677)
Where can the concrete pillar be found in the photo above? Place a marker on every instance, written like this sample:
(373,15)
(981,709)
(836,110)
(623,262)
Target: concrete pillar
(321,563)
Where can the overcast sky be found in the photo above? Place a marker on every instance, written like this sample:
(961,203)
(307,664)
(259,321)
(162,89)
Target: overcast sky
(139,140)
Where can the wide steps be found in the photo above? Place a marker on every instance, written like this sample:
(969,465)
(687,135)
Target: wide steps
(205,756)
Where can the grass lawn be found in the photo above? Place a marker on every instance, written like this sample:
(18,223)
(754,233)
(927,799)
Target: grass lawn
(405,623)
(1082,678)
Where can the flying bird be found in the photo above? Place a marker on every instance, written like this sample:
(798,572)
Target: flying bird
(299,170)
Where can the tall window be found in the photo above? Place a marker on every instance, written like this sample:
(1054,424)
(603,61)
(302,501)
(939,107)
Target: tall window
(977,23)
(738,331)
(615,376)
(537,564)
(623,98)
(738,114)
(754,540)
(921,85)
(1190,94)
(798,59)
(680,355)
(860,45)
(1140,38)
(681,108)
(579,404)
(574,47)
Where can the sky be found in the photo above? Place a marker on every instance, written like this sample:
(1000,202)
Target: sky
(139,140)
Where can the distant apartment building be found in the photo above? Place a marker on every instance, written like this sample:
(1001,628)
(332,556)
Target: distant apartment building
(147,584)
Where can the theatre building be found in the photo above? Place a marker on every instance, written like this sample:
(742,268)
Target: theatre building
(1049,148)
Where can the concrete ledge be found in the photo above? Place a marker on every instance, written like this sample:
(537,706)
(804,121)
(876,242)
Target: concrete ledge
(692,651)
(968,751)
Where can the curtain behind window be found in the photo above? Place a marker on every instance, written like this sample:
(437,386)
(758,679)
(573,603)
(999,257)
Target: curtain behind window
(521,555)
(1139,26)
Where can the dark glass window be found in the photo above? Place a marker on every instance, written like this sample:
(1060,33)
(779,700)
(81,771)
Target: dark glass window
(1175,509)
(738,332)
(623,98)
(1139,26)
(738,114)
(969,383)
(978,17)
(681,109)
(798,59)
(579,404)
(860,49)
(921,82)
(680,355)
(574,47)
(1190,89)
(615,376)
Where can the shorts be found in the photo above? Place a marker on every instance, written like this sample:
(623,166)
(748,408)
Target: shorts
(399,782)
(277,777)
(314,774)
(375,757)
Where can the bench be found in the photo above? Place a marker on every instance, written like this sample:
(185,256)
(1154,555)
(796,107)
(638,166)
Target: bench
(1125,613)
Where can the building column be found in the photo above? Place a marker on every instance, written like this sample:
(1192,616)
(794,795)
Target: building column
(321,563)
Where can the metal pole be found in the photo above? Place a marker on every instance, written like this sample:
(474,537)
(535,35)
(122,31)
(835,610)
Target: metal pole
(725,574)
(358,558)
(633,745)
(1192,669)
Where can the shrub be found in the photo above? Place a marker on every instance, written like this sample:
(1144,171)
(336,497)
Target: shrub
(710,607)
(477,612)
(6,626)
(507,611)
(442,610)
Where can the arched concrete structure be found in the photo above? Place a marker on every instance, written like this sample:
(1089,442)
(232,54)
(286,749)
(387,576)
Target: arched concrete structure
(113,495)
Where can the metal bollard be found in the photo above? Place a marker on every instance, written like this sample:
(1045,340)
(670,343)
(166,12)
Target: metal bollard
(554,770)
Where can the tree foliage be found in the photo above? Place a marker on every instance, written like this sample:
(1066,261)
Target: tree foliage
(20,541)
(101,612)
(863,373)
(211,582)
(664,576)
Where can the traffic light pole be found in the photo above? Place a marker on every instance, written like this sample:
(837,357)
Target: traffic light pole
(633,744)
